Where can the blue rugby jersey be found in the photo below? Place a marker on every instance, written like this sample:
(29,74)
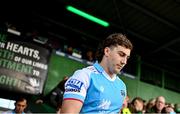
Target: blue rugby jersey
(98,92)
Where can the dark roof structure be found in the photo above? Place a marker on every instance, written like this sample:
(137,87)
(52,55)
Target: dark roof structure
(152,25)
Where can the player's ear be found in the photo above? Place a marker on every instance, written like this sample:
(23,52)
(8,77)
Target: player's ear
(106,51)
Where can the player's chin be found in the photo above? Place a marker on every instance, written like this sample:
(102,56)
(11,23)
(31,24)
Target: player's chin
(117,71)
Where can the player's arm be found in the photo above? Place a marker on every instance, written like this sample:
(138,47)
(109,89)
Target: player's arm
(75,92)
(71,106)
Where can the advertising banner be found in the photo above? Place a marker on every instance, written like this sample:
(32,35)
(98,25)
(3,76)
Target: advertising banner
(23,65)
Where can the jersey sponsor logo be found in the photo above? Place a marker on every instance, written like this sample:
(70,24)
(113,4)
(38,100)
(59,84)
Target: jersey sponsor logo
(72,90)
(74,84)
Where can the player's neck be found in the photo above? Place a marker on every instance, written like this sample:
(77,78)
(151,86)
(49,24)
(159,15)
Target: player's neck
(106,69)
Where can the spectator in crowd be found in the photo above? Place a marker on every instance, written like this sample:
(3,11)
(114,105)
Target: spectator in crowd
(168,109)
(97,88)
(58,92)
(150,104)
(90,56)
(137,105)
(55,97)
(20,106)
(177,107)
(159,105)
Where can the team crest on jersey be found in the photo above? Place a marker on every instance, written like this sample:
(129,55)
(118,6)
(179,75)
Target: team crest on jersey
(73,85)
(123,93)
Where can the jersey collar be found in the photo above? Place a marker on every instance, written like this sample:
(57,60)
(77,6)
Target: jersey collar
(102,71)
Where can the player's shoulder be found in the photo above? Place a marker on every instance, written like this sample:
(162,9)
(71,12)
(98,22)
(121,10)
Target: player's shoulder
(85,73)
(7,112)
(91,69)
(120,81)
(88,70)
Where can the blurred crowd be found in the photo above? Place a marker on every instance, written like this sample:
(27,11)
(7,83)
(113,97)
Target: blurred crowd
(87,54)
(154,105)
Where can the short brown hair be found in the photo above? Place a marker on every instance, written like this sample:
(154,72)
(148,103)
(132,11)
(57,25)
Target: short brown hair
(20,99)
(113,40)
